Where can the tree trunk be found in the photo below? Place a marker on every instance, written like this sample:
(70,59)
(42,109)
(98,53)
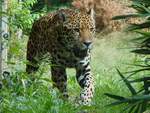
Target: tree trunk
(3,38)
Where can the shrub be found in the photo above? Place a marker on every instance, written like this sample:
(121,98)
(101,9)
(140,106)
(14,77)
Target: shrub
(139,100)
(20,15)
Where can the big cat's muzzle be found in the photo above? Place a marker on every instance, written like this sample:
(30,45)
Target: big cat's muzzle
(88,44)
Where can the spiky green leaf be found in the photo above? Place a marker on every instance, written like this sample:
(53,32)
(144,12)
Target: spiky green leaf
(114,96)
(132,90)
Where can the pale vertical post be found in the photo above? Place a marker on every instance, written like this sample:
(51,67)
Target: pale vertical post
(0,39)
(3,37)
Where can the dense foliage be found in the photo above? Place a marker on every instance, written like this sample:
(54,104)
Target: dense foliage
(21,16)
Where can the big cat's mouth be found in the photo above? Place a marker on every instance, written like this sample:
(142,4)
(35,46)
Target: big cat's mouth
(80,53)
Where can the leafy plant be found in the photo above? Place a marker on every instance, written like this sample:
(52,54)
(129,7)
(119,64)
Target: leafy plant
(138,102)
(20,15)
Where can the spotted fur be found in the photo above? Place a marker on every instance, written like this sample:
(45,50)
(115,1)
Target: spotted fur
(67,36)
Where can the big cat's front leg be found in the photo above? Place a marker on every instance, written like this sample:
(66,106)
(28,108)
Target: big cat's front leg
(85,80)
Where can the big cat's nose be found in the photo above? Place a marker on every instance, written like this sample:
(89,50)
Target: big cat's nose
(88,44)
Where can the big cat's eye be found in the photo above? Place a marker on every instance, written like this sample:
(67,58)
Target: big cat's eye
(76,29)
(91,29)
(65,28)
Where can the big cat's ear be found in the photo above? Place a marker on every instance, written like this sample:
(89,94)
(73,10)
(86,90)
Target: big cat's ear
(60,17)
(90,9)
(90,12)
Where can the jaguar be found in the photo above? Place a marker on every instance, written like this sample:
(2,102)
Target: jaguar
(66,35)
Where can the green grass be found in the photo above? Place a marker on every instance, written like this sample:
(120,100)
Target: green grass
(108,54)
